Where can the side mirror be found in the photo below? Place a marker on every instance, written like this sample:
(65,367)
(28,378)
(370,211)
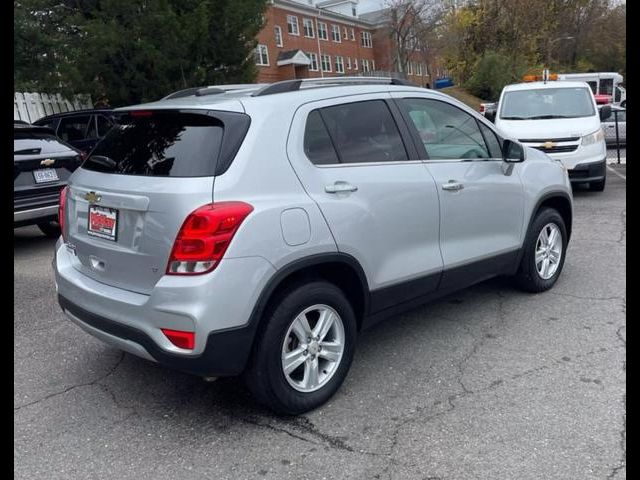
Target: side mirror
(512,152)
(605,112)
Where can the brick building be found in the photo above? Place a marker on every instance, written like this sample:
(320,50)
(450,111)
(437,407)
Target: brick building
(310,38)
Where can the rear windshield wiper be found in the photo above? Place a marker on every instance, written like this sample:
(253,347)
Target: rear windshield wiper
(28,151)
(103,161)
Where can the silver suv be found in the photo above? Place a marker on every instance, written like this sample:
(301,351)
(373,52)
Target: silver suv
(256,230)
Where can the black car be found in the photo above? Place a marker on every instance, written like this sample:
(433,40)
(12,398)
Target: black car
(80,128)
(42,165)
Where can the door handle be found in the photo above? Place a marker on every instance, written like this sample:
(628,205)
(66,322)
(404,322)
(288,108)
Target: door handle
(452,185)
(339,187)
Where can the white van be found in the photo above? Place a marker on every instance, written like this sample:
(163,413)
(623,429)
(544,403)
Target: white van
(560,119)
(603,84)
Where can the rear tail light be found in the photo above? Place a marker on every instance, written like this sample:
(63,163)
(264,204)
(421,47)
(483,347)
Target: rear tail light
(482,107)
(62,210)
(180,339)
(205,236)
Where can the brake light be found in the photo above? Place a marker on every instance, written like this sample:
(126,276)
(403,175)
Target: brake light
(61,210)
(204,237)
(482,107)
(141,113)
(180,339)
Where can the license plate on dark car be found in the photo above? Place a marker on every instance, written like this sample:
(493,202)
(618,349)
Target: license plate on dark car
(45,175)
(103,222)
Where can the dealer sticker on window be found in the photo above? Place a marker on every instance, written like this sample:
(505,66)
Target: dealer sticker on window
(103,222)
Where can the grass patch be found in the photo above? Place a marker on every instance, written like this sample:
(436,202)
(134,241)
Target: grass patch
(464,96)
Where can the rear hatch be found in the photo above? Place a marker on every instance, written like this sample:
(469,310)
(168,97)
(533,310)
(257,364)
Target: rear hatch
(131,196)
(41,166)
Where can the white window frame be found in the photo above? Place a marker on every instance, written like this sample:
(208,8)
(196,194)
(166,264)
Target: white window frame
(353,34)
(348,63)
(335,30)
(373,65)
(365,39)
(259,51)
(277,32)
(409,68)
(322,62)
(324,30)
(339,64)
(313,57)
(355,63)
(345,34)
(291,24)
(308,22)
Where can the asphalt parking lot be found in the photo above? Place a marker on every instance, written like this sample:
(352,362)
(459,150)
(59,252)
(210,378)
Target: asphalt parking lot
(489,383)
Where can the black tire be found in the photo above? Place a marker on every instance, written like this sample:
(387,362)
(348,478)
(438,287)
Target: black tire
(50,229)
(527,277)
(598,186)
(265,377)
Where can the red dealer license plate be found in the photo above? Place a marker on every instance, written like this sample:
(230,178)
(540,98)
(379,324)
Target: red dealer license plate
(103,222)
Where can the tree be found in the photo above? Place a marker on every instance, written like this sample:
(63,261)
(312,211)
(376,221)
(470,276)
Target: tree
(134,51)
(411,25)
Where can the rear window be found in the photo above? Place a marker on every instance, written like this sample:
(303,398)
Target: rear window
(170,144)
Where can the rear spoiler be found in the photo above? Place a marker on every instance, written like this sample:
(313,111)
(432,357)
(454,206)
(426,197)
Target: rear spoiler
(27,128)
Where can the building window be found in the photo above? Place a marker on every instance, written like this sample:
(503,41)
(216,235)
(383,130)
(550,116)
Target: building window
(322,31)
(313,66)
(262,55)
(419,69)
(354,11)
(348,63)
(353,34)
(339,64)
(345,34)
(335,33)
(308,28)
(292,25)
(326,63)
(277,31)
(365,65)
(366,39)
(355,64)
(409,68)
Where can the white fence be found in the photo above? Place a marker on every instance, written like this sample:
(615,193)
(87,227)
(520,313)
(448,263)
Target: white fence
(29,107)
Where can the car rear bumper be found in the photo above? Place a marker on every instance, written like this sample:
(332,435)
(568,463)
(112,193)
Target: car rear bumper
(217,306)
(34,215)
(588,172)
(225,353)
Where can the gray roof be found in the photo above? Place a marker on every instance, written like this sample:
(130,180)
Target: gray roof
(288,54)
(379,16)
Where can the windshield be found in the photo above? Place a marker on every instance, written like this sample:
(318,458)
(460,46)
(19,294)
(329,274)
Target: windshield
(547,103)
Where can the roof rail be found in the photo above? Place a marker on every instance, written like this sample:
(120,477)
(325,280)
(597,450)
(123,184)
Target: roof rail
(212,90)
(294,85)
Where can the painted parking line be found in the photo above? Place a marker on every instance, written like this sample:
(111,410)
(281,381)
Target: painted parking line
(618,174)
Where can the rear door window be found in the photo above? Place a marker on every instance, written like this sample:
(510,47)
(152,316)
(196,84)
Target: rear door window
(364,132)
(104,125)
(166,144)
(72,129)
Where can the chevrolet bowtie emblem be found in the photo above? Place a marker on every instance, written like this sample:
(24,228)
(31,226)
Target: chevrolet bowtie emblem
(47,162)
(548,144)
(92,197)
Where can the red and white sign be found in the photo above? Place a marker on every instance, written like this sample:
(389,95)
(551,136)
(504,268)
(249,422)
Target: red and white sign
(103,222)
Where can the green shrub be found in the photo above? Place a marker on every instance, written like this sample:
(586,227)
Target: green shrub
(491,73)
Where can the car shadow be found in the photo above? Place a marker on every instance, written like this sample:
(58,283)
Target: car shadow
(156,392)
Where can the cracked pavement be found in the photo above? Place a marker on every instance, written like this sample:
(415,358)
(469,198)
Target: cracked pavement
(488,383)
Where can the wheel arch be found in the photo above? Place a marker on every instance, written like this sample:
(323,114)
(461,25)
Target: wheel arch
(341,269)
